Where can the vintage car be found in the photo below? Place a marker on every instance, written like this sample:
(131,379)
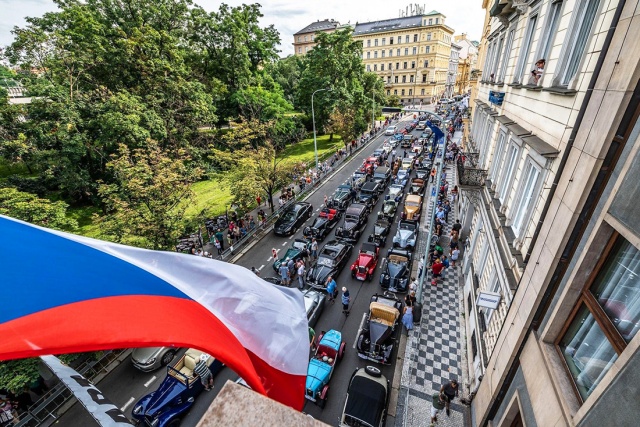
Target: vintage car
(422,172)
(407,163)
(422,124)
(329,352)
(358,179)
(398,137)
(380,232)
(376,339)
(426,134)
(369,194)
(412,207)
(392,142)
(322,226)
(298,250)
(402,178)
(365,265)
(417,186)
(367,399)
(417,147)
(407,140)
(176,394)
(292,218)
(396,268)
(332,257)
(149,359)
(341,197)
(355,221)
(390,130)
(382,175)
(386,146)
(380,154)
(368,165)
(396,191)
(406,235)
(314,301)
(389,208)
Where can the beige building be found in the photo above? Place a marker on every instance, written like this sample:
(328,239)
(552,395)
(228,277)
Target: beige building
(467,63)
(411,54)
(303,40)
(552,259)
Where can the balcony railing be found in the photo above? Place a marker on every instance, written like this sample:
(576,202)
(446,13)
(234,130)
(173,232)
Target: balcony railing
(469,174)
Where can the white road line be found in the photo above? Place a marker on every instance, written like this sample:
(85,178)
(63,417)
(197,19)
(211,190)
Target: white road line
(284,243)
(317,209)
(269,259)
(261,267)
(126,405)
(148,383)
(364,315)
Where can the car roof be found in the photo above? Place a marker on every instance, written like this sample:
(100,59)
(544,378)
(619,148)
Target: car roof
(367,399)
(370,184)
(355,208)
(413,198)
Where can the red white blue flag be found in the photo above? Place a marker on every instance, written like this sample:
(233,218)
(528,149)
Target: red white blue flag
(63,293)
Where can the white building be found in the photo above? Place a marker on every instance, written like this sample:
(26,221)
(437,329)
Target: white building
(452,72)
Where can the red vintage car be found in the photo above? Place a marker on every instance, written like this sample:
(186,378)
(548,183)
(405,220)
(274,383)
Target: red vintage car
(367,166)
(364,267)
(330,214)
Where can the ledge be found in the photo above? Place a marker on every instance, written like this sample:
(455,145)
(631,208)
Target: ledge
(499,84)
(560,90)
(532,87)
(515,85)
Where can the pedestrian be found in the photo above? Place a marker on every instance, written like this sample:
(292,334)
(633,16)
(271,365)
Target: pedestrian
(218,245)
(436,271)
(450,392)
(284,273)
(433,174)
(332,289)
(413,286)
(346,299)
(457,226)
(301,273)
(446,209)
(437,405)
(202,370)
(407,317)
(312,339)
(255,271)
(420,266)
(230,240)
(220,238)
(314,249)
(455,254)
(326,199)
(259,200)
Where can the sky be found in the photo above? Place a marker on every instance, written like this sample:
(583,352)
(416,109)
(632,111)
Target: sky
(288,16)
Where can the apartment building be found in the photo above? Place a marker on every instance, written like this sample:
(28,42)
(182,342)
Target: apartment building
(467,63)
(452,72)
(303,40)
(551,263)
(410,54)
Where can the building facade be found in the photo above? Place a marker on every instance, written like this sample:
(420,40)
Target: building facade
(410,54)
(303,40)
(452,72)
(467,63)
(552,288)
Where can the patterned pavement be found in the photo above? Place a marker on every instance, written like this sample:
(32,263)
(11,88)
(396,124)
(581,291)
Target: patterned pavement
(434,348)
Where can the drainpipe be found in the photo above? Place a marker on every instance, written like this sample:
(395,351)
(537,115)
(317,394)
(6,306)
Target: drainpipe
(578,229)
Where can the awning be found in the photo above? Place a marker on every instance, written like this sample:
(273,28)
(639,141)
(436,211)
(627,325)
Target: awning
(504,120)
(541,147)
(518,130)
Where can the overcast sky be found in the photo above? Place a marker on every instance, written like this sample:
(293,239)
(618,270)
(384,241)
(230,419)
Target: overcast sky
(288,16)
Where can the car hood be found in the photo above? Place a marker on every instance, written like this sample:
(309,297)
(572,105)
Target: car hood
(394,191)
(405,235)
(389,207)
(339,195)
(348,225)
(319,223)
(411,209)
(143,354)
(378,333)
(291,253)
(162,397)
(364,260)
(318,374)
(396,270)
(320,273)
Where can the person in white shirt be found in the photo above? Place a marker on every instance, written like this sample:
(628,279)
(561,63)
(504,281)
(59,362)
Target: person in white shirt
(301,272)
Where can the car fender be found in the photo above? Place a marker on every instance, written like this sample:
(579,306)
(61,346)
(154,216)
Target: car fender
(168,416)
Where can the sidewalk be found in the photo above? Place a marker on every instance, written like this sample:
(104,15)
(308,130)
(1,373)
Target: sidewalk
(433,354)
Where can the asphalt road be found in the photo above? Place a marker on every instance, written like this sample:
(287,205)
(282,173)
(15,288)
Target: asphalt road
(125,385)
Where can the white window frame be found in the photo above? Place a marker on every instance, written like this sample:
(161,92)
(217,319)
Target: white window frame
(564,77)
(493,286)
(525,48)
(552,20)
(498,154)
(526,196)
(502,69)
(496,57)
(486,142)
(487,62)
(512,161)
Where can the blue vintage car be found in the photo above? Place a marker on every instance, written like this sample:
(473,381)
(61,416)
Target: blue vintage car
(176,394)
(330,350)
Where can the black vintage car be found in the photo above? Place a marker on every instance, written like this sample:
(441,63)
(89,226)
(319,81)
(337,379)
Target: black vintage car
(377,337)
(331,259)
(369,194)
(389,208)
(396,268)
(422,172)
(367,399)
(382,175)
(380,231)
(322,226)
(292,218)
(341,197)
(355,221)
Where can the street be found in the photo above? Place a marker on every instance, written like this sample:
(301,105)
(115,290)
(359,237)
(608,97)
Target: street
(125,385)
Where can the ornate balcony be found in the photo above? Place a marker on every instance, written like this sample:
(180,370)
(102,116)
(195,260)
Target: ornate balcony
(468,173)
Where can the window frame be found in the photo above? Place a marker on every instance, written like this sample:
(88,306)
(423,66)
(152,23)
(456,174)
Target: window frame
(502,69)
(518,215)
(527,42)
(508,173)
(498,154)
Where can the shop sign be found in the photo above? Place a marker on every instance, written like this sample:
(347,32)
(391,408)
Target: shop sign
(488,299)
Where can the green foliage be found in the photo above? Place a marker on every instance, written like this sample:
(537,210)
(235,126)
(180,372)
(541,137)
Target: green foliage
(286,73)
(393,101)
(28,207)
(15,375)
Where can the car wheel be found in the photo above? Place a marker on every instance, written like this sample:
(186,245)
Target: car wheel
(341,350)
(168,357)
(373,371)
(369,277)
(174,423)
(324,395)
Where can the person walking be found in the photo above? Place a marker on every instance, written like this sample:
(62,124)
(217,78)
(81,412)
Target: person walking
(436,270)
(202,370)
(230,239)
(407,317)
(301,273)
(449,392)
(455,254)
(332,289)
(314,249)
(433,174)
(346,299)
(284,273)
(259,200)
(437,405)
(220,238)
(218,245)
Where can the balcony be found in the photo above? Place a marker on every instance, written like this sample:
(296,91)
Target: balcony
(468,174)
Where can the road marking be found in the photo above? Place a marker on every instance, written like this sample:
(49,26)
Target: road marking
(284,243)
(126,405)
(262,266)
(148,383)
(364,316)
(317,209)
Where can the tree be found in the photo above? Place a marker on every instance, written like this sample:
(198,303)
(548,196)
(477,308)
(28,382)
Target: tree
(30,208)
(148,197)
(287,72)
(343,121)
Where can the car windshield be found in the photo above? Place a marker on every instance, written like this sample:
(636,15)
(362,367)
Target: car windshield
(299,245)
(414,204)
(350,218)
(327,262)
(405,226)
(289,215)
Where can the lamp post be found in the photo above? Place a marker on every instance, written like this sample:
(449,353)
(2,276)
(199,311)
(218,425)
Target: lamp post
(313,119)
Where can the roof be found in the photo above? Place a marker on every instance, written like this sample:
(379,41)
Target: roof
(366,400)
(327,24)
(388,25)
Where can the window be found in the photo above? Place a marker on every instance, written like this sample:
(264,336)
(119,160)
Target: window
(499,154)
(406,38)
(390,40)
(502,71)
(474,344)
(388,92)
(395,91)
(415,50)
(430,21)
(404,79)
(313,37)
(422,90)
(375,67)
(424,78)
(382,53)
(576,40)
(427,49)
(375,54)
(512,159)
(525,49)
(384,41)
(487,62)
(406,51)
(368,43)
(397,65)
(381,67)
(390,67)
(388,79)
(375,42)
(411,78)
(426,64)
(305,38)
(528,191)
(395,79)
(404,65)
(368,55)
(605,318)
(496,57)
(410,92)
(415,38)
(413,64)
(402,92)
(428,36)
(368,67)
(437,19)
(390,52)
(397,52)
(306,49)
(299,39)
(550,30)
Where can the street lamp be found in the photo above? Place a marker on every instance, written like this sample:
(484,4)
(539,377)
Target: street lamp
(313,118)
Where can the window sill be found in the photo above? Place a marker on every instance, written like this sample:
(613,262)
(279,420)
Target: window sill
(560,90)
(515,85)
(499,84)
(532,87)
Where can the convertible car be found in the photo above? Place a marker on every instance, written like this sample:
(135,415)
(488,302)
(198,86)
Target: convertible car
(389,208)
(406,235)
(333,256)
(367,398)
(341,197)
(395,270)
(396,191)
(298,250)
(176,394)
(380,232)
(365,265)
(322,226)
(329,352)
(376,339)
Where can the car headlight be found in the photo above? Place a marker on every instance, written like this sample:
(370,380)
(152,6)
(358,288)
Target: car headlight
(137,409)
(151,361)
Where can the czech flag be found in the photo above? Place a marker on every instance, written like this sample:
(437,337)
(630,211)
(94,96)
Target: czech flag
(63,293)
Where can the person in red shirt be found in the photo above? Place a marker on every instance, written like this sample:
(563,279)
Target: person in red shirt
(436,270)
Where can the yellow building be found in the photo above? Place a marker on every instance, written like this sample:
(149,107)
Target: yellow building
(304,40)
(411,55)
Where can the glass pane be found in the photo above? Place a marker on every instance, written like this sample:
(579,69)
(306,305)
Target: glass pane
(588,353)
(617,288)
(581,37)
